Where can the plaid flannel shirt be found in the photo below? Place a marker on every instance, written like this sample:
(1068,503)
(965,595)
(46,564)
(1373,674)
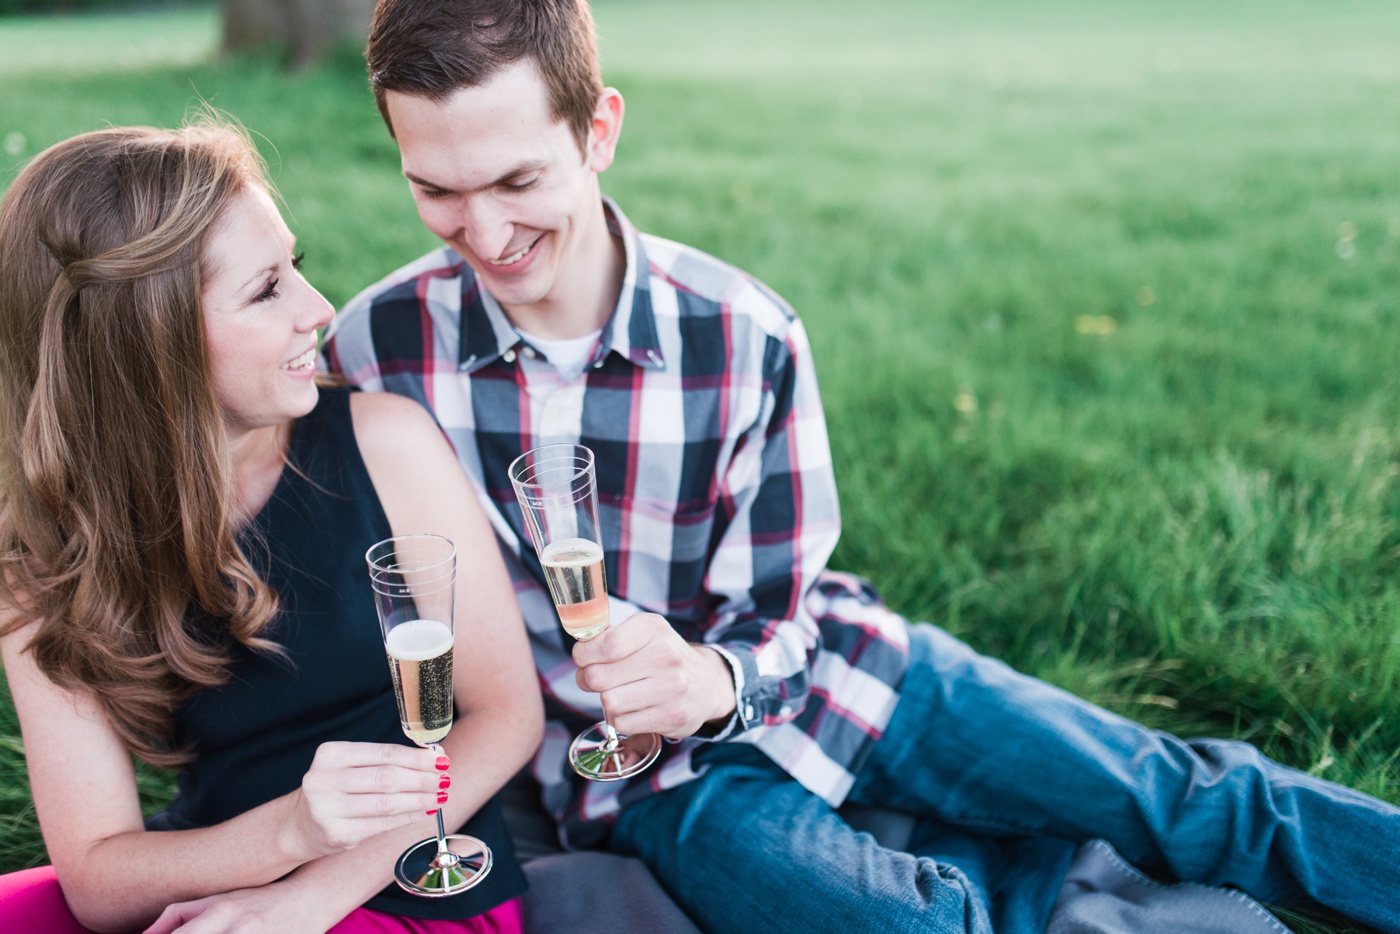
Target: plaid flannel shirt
(717,500)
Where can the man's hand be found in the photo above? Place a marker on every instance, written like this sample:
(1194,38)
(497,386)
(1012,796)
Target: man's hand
(652,680)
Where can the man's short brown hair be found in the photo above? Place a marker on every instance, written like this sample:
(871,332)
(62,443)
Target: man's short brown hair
(434,48)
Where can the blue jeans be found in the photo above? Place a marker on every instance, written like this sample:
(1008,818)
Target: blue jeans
(1008,775)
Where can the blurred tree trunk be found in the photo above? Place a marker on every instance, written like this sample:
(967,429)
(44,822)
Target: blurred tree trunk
(307,29)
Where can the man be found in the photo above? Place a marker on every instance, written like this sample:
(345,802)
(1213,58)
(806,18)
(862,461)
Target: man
(791,689)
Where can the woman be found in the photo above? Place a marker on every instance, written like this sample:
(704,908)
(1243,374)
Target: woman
(183,518)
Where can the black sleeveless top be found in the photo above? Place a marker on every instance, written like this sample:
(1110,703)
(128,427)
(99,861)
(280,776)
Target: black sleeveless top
(255,736)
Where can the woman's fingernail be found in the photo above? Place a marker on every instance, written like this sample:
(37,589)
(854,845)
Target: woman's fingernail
(432,812)
(445,781)
(442,763)
(442,797)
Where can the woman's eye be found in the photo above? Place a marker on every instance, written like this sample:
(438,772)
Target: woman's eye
(269,291)
(297,260)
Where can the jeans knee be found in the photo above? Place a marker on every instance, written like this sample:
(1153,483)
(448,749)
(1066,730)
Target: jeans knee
(947,900)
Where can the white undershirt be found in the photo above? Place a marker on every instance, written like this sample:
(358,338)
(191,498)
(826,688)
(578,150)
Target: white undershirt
(569,356)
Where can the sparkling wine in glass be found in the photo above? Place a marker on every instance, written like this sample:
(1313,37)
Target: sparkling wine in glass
(574,569)
(558,496)
(414,581)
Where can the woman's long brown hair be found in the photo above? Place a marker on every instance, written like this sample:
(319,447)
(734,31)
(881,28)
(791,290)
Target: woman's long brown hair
(116,492)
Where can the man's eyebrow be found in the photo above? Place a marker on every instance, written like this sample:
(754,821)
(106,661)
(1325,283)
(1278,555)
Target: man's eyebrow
(524,168)
(419,181)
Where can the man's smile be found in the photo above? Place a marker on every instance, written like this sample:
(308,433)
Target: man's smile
(517,256)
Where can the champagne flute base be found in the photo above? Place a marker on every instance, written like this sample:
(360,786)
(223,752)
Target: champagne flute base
(601,758)
(423,870)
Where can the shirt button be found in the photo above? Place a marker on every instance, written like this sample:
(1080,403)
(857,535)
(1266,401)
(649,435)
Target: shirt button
(509,356)
(598,364)
(530,352)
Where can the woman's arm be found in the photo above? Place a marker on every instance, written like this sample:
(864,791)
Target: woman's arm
(116,875)
(500,714)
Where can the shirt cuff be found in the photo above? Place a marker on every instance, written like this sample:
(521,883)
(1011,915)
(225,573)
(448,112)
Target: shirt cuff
(719,730)
(743,663)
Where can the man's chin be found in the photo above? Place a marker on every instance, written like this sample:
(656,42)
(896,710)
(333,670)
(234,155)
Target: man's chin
(519,289)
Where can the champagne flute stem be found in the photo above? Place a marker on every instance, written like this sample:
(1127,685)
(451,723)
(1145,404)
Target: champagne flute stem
(441,831)
(611,747)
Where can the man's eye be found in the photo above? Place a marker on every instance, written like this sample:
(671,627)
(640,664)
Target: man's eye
(519,186)
(436,194)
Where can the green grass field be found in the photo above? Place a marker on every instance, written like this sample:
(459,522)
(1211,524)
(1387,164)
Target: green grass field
(1105,300)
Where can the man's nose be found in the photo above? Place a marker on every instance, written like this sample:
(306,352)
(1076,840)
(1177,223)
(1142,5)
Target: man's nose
(488,230)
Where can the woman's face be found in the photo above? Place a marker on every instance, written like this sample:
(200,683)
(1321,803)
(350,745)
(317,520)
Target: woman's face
(260,317)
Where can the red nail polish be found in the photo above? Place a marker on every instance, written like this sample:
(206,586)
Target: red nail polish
(442,763)
(442,797)
(432,812)
(445,781)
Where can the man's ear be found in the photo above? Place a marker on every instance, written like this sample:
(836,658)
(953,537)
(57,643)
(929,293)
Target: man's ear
(605,130)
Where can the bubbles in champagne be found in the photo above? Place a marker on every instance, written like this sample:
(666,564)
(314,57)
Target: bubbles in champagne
(420,662)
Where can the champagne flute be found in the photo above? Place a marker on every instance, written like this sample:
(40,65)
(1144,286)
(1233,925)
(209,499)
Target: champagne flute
(414,581)
(558,495)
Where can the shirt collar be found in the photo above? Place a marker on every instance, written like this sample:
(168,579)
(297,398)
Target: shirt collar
(630,332)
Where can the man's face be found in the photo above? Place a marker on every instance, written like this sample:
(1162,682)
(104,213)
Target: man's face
(505,185)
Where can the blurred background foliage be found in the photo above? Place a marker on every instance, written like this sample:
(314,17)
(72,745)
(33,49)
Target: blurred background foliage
(301,32)
(1104,297)
(11,7)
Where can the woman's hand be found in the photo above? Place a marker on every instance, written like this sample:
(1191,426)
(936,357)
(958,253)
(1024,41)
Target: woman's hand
(267,909)
(357,790)
(353,791)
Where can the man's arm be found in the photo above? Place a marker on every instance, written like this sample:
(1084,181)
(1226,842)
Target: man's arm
(777,500)
(777,506)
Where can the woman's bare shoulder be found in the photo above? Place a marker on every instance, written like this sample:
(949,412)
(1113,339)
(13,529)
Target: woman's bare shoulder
(387,417)
(414,469)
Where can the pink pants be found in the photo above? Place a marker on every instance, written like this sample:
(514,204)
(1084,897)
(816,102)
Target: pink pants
(31,901)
